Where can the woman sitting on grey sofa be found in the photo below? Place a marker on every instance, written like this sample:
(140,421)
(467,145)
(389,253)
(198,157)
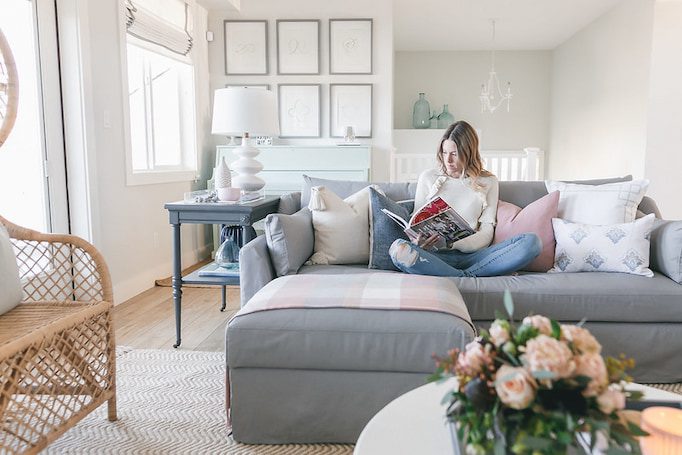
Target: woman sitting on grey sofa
(473,192)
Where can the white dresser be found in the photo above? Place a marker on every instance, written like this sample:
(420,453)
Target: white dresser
(284,165)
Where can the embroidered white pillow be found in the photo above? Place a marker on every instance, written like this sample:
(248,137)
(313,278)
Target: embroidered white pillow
(10,285)
(592,248)
(341,227)
(611,203)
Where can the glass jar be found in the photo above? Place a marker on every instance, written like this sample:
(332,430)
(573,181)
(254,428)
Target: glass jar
(445,118)
(421,113)
(227,255)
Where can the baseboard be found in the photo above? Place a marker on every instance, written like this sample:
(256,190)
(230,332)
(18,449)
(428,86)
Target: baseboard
(142,281)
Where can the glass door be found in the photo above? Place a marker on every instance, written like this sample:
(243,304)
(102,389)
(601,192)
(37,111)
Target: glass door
(32,171)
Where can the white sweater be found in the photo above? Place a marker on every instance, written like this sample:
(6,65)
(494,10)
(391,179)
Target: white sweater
(477,207)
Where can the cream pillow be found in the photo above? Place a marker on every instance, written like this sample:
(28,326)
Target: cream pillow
(341,227)
(591,248)
(612,203)
(10,285)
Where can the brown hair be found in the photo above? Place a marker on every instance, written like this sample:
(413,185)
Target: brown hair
(465,138)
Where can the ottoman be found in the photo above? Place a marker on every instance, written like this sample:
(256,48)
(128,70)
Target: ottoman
(311,358)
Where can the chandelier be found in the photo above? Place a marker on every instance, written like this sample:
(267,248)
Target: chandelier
(491,94)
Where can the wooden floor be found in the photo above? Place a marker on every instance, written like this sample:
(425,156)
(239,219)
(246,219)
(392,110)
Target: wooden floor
(147,321)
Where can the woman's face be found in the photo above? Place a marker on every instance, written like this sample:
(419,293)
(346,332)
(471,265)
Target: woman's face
(450,158)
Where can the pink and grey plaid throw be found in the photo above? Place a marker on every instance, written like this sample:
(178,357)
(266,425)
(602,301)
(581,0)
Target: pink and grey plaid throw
(376,291)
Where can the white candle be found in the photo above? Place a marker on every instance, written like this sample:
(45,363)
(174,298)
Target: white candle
(664,426)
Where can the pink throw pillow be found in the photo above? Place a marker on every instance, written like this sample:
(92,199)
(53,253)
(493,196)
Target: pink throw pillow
(536,218)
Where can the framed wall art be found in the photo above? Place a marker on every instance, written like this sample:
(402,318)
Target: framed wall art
(350,105)
(350,46)
(246,47)
(299,110)
(298,47)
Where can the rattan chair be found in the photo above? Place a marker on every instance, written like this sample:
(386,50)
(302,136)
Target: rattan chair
(57,350)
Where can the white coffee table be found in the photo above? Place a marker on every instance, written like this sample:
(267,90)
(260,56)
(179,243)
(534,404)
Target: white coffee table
(414,423)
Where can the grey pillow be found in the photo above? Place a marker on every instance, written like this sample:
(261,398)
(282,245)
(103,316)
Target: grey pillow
(10,284)
(290,240)
(289,203)
(666,249)
(396,191)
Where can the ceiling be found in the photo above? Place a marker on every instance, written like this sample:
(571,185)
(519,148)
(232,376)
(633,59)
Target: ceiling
(439,25)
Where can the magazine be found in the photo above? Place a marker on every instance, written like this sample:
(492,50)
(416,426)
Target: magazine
(214,269)
(435,217)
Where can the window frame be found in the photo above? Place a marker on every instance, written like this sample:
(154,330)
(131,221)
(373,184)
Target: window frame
(159,175)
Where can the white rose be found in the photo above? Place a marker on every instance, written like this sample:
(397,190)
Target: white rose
(611,400)
(515,387)
(592,366)
(583,341)
(499,332)
(471,361)
(544,353)
(543,324)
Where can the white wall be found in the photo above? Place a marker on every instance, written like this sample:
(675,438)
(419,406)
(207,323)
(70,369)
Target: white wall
(382,79)
(600,87)
(131,225)
(663,164)
(455,78)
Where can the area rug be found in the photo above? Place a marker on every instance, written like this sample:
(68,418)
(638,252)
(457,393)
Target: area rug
(170,402)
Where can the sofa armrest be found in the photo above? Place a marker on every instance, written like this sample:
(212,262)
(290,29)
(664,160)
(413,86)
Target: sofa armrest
(666,249)
(255,268)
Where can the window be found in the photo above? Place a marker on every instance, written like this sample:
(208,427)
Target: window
(161,99)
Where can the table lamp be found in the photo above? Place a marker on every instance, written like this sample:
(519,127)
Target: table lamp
(240,111)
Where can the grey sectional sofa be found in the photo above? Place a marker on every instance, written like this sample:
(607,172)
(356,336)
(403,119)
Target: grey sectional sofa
(635,315)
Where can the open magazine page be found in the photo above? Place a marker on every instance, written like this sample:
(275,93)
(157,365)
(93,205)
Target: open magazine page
(437,217)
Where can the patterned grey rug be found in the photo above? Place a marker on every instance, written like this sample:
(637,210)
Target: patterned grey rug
(170,402)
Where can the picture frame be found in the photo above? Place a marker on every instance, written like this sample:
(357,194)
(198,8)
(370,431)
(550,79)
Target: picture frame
(299,110)
(298,46)
(350,105)
(262,86)
(350,46)
(246,47)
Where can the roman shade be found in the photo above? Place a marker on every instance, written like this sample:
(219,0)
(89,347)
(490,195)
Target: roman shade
(166,23)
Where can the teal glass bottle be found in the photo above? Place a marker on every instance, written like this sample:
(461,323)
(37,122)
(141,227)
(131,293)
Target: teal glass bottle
(421,113)
(227,255)
(445,118)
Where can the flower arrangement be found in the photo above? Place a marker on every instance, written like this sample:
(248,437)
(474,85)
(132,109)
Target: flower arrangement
(538,388)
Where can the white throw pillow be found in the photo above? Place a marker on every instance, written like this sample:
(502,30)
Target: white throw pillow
(341,227)
(591,248)
(10,285)
(611,203)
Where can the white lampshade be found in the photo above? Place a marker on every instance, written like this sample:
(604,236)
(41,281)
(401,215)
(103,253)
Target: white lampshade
(238,110)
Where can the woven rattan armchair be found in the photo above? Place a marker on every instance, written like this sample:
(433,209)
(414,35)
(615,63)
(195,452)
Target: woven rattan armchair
(57,350)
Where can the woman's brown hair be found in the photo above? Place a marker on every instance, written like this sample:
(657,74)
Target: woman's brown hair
(466,139)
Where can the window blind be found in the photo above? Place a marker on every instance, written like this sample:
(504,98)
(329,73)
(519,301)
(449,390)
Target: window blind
(168,27)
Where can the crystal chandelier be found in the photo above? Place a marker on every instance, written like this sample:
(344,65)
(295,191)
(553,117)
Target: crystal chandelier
(491,94)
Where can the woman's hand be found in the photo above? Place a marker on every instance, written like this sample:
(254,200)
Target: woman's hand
(426,243)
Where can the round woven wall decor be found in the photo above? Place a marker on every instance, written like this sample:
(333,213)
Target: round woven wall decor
(9,89)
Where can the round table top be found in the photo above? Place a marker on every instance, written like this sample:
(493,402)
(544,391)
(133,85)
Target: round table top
(415,422)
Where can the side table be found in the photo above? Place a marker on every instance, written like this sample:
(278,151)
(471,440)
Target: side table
(243,215)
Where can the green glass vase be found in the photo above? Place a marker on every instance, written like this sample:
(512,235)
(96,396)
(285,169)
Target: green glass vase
(421,113)
(445,118)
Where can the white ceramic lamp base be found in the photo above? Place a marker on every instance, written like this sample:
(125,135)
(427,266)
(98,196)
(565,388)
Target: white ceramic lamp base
(246,167)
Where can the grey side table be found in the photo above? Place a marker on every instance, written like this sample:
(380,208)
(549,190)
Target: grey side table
(243,215)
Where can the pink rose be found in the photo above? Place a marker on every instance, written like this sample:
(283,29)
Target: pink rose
(592,366)
(544,353)
(582,340)
(499,332)
(611,400)
(543,324)
(515,387)
(471,361)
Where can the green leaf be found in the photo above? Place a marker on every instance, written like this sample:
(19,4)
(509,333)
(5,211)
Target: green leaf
(635,394)
(582,322)
(636,430)
(508,303)
(535,443)
(543,374)
(556,329)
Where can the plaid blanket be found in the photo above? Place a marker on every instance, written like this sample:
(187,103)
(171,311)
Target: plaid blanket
(375,291)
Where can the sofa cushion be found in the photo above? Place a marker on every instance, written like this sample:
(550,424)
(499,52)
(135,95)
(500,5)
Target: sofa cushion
(605,248)
(666,249)
(611,203)
(290,240)
(341,227)
(329,338)
(535,218)
(10,284)
(383,231)
(344,188)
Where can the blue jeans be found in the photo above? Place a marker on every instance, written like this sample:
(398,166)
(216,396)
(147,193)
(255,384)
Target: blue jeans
(500,259)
